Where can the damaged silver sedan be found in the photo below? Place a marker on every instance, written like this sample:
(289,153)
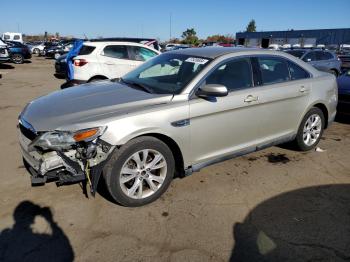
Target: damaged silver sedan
(173,115)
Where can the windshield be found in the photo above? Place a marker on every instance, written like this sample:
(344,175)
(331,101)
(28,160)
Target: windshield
(296,53)
(167,73)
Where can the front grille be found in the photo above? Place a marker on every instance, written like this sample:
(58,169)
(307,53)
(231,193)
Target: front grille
(27,132)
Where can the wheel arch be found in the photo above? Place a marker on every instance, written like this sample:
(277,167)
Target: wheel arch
(102,77)
(320,105)
(324,110)
(175,149)
(336,70)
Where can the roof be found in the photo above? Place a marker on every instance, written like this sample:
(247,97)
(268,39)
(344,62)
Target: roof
(103,43)
(122,39)
(211,52)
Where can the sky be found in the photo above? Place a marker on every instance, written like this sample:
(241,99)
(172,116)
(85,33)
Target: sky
(137,18)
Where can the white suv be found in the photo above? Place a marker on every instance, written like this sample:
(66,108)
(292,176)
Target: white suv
(107,60)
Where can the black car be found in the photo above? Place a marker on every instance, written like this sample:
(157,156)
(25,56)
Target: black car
(57,51)
(61,67)
(344,93)
(47,46)
(18,52)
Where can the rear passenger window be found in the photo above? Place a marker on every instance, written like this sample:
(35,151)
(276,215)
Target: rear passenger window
(142,54)
(310,57)
(234,75)
(324,55)
(116,51)
(86,50)
(273,70)
(296,72)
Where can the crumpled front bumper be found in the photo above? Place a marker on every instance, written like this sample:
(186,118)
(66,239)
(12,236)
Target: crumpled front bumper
(48,166)
(61,167)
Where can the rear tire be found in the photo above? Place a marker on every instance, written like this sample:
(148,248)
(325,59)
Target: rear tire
(334,72)
(139,172)
(310,130)
(17,58)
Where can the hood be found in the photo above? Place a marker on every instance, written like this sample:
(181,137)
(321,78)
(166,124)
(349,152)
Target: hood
(86,103)
(344,84)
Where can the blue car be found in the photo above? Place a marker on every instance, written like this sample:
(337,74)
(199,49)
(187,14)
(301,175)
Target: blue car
(344,93)
(18,52)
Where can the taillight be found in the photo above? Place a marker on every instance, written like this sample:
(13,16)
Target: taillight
(80,62)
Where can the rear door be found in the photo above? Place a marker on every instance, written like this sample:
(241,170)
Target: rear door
(283,97)
(115,60)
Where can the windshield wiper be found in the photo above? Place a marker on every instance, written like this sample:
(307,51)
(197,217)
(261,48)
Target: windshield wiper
(138,85)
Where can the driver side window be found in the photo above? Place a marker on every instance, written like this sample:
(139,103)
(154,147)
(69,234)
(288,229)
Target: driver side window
(235,74)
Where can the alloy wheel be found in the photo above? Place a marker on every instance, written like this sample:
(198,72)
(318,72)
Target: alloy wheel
(143,174)
(312,129)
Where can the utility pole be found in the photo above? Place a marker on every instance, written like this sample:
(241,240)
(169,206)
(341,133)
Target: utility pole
(170,25)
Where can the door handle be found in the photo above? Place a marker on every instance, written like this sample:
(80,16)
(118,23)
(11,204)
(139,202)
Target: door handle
(109,63)
(303,89)
(251,98)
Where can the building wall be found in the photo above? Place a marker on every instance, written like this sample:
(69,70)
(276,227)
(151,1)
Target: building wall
(302,37)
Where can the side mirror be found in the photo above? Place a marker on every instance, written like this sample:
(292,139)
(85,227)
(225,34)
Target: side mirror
(212,90)
(308,60)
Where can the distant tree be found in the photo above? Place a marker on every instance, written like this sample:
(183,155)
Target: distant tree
(57,35)
(174,40)
(45,36)
(220,39)
(251,27)
(190,37)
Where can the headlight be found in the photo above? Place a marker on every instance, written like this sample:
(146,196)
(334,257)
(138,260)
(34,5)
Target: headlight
(65,139)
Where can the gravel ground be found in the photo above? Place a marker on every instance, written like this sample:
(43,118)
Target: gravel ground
(272,205)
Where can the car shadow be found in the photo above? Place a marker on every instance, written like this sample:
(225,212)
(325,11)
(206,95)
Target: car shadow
(21,243)
(6,66)
(309,224)
(59,76)
(27,62)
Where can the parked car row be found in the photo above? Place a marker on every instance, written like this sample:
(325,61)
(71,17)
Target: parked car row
(323,60)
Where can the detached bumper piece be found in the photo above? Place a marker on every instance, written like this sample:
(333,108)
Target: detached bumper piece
(60,176)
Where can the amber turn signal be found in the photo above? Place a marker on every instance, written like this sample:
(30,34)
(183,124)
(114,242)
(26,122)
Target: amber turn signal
(85,134)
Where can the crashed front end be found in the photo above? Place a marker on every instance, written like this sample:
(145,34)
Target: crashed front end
(64,157)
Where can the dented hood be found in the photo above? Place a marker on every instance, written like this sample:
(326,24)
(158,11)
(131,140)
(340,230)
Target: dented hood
(85,102)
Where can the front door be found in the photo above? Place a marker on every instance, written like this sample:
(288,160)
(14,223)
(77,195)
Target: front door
(220,126)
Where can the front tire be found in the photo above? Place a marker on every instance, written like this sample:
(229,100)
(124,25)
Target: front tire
(310,130)
(139,172)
